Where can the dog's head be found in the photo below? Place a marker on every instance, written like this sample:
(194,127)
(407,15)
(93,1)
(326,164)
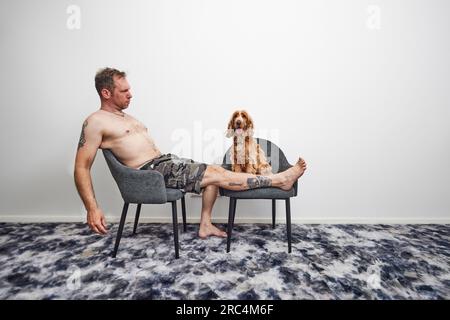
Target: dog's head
(240,124)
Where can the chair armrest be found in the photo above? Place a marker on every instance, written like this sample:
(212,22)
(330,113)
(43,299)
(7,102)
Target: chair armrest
(141,186)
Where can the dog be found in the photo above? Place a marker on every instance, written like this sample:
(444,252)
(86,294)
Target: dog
(246,155)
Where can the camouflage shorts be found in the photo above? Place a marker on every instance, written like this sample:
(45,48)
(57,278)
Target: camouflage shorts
(179,173)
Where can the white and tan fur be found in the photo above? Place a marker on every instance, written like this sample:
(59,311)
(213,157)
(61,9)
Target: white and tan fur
(246,155)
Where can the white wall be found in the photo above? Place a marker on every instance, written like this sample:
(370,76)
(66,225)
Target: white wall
(365,101)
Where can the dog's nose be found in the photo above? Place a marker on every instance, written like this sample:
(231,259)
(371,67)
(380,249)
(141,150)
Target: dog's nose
(238,122)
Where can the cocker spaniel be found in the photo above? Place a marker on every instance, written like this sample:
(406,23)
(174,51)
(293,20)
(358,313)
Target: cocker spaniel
(246,155)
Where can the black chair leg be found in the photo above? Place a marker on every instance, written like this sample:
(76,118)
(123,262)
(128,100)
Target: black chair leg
(183,212)
(231,214)
(119,232)
(136,219)
(288,223)
(234,211)
(175,228)
(274,212)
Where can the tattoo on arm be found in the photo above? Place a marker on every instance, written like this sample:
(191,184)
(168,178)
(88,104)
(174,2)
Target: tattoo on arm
(259,182)
(82,138)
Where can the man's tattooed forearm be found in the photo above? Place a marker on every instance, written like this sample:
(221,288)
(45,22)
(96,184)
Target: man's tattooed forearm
(259,182)
(82,138)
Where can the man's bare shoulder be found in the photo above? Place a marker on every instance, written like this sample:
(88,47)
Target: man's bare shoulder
(98,119)
(98,115)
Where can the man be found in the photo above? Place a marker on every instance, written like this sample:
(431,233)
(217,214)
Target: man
(111,128)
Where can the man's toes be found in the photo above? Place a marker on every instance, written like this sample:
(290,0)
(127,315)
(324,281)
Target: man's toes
(220,233)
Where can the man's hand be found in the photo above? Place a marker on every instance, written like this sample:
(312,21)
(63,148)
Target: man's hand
(96,221)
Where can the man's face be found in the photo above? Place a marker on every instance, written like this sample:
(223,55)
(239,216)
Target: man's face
(121,95)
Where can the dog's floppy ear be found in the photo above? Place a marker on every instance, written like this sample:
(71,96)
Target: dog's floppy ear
(229,133)
(249,121)
(231,122)
(230,130)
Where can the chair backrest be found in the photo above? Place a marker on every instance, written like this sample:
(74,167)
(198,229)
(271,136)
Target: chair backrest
(274,156)
(118,170)
(136,186)
(115,166)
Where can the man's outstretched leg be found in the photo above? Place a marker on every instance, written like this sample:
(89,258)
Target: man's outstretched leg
(206,227)
(218,176)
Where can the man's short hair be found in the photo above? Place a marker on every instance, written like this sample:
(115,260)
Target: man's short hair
(104,79)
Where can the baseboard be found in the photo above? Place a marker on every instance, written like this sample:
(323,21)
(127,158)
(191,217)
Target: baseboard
(303,221)
(268,220)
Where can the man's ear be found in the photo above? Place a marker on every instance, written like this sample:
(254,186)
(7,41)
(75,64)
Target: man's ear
(106,94)
(229,133)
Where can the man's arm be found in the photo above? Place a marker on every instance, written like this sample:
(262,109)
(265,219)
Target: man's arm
(90,141)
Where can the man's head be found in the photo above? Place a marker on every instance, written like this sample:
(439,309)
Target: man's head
(112,87)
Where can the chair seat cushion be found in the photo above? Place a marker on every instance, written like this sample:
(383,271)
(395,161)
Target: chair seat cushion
(262,193)
(173,194)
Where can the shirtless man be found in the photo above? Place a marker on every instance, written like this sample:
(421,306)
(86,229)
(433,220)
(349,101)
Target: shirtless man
(111,128)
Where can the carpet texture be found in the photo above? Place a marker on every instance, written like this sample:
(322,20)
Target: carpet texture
(67,261)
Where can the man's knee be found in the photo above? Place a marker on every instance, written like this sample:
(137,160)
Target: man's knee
(211,188)
(212,175)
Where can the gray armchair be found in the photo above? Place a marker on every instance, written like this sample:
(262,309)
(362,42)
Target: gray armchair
(143,187)
(279,163)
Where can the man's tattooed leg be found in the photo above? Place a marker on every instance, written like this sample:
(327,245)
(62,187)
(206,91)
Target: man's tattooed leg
(234,184)
(259,182)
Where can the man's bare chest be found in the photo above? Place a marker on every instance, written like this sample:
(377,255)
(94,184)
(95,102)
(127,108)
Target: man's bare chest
(123,128)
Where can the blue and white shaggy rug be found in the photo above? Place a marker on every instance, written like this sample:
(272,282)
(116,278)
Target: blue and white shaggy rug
(67,261)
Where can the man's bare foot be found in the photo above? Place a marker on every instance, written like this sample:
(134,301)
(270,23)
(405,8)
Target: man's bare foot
(291,175)
(207,230)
